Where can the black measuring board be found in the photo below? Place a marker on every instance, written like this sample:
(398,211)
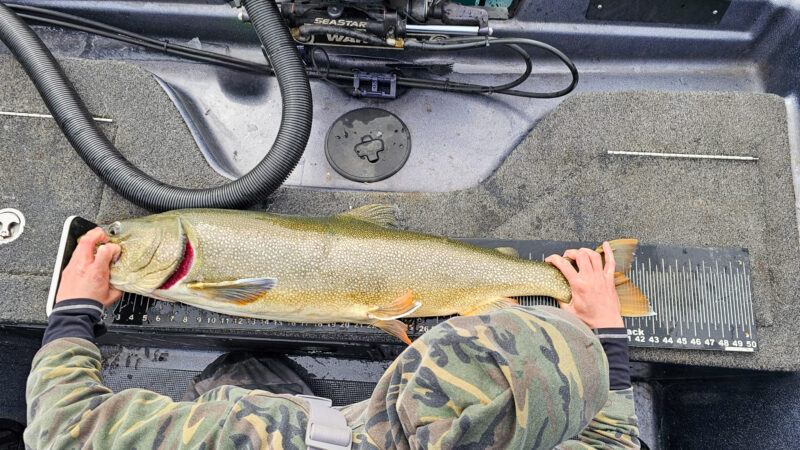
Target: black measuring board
(701,298)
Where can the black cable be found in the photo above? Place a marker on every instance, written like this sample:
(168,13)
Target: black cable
(329,74)
(326,74)
(485,41)
(170,50)
(99,153)
(93,26)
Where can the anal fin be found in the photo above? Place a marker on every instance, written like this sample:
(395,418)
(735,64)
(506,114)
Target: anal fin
(489,306)
(395,328)
(240,292)
(401,307)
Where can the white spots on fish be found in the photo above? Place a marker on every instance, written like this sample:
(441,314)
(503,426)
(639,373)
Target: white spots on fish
(339,270)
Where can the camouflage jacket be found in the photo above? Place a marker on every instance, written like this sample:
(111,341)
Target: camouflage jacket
(514,378)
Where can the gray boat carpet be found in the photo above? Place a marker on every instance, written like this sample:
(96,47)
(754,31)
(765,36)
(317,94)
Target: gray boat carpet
(558,184)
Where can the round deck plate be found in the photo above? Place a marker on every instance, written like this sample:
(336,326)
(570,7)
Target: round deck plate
(12,224)
(367,145)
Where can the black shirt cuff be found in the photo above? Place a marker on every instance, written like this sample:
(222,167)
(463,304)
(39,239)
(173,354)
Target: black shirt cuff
(78,318)
(615,345)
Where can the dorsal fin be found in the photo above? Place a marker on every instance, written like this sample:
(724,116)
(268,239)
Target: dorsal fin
(380,214)
(508,251)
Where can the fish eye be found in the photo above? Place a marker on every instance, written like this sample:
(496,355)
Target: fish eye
(114,229)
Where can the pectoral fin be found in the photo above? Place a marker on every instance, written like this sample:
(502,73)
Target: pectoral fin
(395,328)
(489,306)
(401,307)
(240,292)
(378,214)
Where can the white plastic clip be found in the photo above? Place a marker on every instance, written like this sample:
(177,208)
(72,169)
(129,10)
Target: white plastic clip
(327,428)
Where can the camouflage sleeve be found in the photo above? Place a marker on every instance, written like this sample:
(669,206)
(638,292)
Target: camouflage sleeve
(68,407)
(615,426)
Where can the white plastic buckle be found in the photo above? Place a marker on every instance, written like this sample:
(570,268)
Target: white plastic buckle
(327,428)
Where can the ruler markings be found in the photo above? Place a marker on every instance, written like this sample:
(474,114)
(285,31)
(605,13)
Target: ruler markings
(749,292)
(715,296)
(744,301)
(747,310)
(649,282)
(735,298)
(714,301)
(740,300)
(690,282)
(663,313)
(731,298)
(681,300)
(670,297)
(668,294)
(687,295)
(662,288)
(653,289)
(704,286)
(635,275)
(682,293)
(645,277)
(699,289)
(727,300)
(709,298)
(726,313)
(665,298)
(674,296)
(684,290)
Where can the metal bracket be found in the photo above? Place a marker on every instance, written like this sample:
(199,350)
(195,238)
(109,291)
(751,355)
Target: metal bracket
(375,85)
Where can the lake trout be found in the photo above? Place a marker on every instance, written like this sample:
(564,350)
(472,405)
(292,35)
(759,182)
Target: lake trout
(352,267)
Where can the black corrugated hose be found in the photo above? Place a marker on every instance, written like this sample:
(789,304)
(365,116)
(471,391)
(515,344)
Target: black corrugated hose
(92,145)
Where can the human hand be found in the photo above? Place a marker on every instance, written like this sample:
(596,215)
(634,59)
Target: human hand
(594,295)
(87,274)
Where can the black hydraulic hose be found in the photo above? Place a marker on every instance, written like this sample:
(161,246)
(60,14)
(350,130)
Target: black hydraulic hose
(364,37)
(92,145)
(325,72)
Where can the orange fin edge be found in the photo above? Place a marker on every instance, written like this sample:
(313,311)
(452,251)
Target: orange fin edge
(400,307)
(395,328)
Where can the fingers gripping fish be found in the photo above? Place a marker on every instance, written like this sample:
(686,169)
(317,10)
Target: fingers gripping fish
(352,267)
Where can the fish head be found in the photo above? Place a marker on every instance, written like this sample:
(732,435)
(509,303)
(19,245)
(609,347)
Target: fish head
(153,249)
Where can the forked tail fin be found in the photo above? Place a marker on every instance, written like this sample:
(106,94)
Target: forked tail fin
(631,300)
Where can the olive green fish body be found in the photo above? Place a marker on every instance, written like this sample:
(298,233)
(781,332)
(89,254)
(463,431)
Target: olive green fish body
(330,269)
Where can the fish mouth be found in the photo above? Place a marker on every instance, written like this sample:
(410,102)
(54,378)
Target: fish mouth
(182,269)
